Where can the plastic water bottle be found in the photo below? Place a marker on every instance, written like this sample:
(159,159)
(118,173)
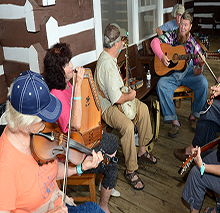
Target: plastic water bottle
(148,76)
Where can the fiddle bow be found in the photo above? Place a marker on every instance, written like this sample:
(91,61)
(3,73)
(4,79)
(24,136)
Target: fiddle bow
(210,100)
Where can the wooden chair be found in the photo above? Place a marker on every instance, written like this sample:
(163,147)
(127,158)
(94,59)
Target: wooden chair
(183,92)
(84,179)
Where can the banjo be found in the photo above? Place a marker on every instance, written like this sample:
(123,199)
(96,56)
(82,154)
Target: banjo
(129,107)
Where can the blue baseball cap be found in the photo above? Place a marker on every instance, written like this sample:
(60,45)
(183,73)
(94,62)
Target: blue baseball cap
(30,95)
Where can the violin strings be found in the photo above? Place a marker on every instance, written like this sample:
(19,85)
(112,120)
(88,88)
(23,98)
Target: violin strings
(80,147)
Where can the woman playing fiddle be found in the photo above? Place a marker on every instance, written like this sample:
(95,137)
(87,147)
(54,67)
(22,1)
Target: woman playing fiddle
(58,71)
(25,185)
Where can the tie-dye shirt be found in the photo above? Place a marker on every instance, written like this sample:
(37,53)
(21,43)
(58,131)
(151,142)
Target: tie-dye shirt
(171,39)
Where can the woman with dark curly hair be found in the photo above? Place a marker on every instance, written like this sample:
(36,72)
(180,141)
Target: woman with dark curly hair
(58,71)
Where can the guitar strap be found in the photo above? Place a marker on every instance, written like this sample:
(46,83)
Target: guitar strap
(97,84)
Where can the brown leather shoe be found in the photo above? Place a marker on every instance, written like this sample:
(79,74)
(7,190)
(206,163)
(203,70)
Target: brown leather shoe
(180,154)
(192,123)
(174,131)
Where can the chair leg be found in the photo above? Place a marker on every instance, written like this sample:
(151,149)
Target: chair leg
(92,190)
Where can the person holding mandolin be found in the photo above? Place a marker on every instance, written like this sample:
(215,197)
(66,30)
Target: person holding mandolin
(205,175)
(109,83)
(25,185)
(190,76)
(58,71)
(207,126)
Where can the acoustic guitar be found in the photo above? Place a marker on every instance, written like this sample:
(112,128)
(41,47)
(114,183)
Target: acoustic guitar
(177,57)
(187,163)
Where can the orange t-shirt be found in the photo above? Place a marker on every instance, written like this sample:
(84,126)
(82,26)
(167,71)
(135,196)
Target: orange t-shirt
(24,185)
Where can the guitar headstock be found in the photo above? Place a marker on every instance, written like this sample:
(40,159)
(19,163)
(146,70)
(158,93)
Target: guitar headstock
(186,164)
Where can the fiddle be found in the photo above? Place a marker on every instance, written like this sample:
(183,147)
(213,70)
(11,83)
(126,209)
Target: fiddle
(210,100)
(52,143)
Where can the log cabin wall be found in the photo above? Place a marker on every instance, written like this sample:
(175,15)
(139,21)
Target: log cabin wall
(29,27)
(204,14)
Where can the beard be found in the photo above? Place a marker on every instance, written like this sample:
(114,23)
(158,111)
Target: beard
(183,38)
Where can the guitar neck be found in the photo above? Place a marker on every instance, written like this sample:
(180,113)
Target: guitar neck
(188,56)
(209,55)
(210,144)
(203,149)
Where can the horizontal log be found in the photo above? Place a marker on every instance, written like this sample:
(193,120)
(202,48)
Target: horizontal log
(169,3)
(13,33)
(81,42)
(206,9)
(19,3)
(12,70)
(3,89)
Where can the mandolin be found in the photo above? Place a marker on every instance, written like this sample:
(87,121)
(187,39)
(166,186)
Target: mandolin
(188,162)
(177,57)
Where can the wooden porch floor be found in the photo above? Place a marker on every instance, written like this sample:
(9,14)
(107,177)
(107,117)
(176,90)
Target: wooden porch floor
(163,184)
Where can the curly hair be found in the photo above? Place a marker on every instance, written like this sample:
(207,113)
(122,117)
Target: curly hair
(54,61)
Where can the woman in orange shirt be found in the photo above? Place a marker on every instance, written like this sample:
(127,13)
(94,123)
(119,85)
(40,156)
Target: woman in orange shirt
(25,185)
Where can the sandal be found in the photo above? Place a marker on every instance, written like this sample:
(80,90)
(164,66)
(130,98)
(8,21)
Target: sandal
(145,158)
(133,183)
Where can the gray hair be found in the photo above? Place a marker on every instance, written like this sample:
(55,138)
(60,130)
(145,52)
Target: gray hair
(108,44)
(17,121)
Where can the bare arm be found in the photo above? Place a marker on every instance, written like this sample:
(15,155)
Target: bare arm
(77,108)
(126,96)
(59,209)
(89,163)
(159,31)
(209,168)
(199,69)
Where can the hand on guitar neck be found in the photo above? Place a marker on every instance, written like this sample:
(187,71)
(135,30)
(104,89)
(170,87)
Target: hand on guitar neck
(197,158)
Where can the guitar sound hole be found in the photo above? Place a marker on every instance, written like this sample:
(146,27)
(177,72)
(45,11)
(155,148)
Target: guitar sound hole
(174,61)
(175,58)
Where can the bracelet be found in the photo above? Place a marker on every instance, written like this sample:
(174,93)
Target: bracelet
(79,169)
(199,67)
(202,169)
(77,98)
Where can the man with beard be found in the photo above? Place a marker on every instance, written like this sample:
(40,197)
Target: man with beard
(191,77)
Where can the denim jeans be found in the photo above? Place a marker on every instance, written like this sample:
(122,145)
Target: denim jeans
(88,207)
(168,84)
(208,124)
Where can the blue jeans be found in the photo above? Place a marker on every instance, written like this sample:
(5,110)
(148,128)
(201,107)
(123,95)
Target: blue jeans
(168,84)
(88,207)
